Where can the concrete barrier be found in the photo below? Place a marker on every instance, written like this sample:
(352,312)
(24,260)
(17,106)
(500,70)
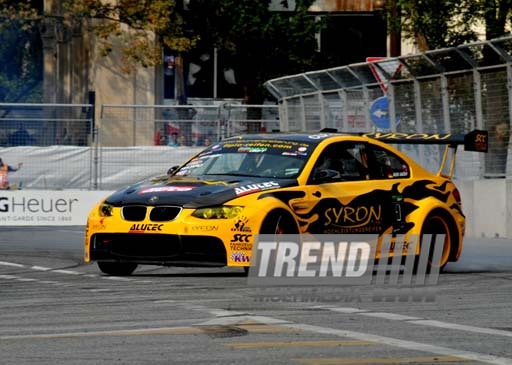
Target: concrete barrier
(487,205)
(47,208)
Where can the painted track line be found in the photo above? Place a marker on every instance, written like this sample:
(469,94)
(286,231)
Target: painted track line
(420,321)
(395,342)
(408,345)
(462,327)
(40,268)
(12,264)
(72,272)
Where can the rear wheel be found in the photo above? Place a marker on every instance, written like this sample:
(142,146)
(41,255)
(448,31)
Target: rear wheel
(117,268)
(436,224)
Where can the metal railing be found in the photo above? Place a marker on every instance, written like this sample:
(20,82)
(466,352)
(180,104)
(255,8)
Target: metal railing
(53,141)
(61,146)
(449,90)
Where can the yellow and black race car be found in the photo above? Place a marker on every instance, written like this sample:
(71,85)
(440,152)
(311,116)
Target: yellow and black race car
(207,211)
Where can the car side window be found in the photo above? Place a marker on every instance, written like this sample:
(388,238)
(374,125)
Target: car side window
(387,165)
(343,161)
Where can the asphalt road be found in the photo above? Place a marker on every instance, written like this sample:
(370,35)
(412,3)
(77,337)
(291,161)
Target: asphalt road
(55,309)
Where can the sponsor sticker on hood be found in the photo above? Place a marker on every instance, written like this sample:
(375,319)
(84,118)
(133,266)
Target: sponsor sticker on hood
(252,188)
(160,189)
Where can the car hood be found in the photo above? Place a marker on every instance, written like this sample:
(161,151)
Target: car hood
(194,192)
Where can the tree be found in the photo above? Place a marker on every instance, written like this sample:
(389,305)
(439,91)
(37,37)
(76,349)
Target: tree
(432,24)
(261,43)
(21,53)
(139,27)
(435,24)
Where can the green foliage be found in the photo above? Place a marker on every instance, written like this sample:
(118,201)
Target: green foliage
(496,15)
(21,71)
(260,43)
(432,24)
(138,28)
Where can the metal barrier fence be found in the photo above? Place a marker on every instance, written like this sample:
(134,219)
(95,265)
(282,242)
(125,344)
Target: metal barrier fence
(170,133)
(52,141)
(183,125)
(46,124)
(449,90)
(61,146)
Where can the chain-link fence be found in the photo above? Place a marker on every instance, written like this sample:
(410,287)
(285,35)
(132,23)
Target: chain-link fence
(61,146)
(138,141)
(182,125)
(450,90)
(51,141)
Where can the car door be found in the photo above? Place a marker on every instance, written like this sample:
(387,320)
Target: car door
(340,197)
(389,172)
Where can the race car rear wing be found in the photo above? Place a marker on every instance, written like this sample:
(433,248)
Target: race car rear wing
(476,141)
(473,141)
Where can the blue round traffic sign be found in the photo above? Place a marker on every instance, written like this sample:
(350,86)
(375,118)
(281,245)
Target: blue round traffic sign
(379,113)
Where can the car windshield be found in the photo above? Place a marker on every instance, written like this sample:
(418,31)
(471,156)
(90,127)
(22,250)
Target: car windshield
(254,158)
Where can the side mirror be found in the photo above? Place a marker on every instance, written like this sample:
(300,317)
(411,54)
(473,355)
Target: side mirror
(172,170)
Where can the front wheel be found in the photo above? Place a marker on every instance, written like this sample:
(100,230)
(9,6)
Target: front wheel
(279,222)
(117,268)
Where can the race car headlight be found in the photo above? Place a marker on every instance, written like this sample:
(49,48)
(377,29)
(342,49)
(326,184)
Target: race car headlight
(222,212)
(105,210)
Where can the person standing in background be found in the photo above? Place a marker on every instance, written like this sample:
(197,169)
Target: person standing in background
(174,142)
(4,170)
(498,158)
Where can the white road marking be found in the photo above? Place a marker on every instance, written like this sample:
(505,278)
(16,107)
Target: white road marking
(3,263)
(8,277)
(342,310)
(391,316)
(116,278)
(462,327)
(40,268)
(72,272)
(22,279)
(69,272)
(408,345)
(98,333)
(420,321)
(99,290)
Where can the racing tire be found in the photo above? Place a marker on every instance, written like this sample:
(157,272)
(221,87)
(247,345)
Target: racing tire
(279,222)
(117,268)
(437,223)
